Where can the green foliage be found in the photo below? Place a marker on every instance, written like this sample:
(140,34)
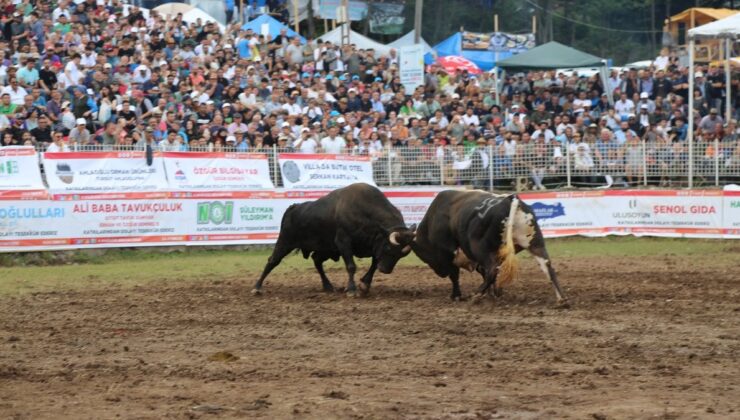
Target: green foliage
(588,25)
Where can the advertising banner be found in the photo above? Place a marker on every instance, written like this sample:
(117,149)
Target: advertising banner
(198,219)
(253,217)
(498,42)
(386,17)
(356,10)
(654,213)
(195,171)
(322,171)
(411,67)
(19,169)
(731,213)
(99,172)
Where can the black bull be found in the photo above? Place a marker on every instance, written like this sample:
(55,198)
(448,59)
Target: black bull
(354,221)
(483,232)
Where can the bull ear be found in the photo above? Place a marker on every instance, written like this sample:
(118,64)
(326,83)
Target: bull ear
(393,238)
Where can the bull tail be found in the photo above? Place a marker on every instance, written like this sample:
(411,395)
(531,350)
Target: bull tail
(508,265)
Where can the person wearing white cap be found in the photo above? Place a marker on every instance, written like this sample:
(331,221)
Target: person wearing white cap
(645,100)
(79,135)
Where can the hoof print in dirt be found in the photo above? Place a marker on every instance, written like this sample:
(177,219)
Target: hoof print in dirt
(336,395)
(223,356)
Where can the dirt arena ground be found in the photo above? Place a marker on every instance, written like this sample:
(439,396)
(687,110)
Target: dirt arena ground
(654,337)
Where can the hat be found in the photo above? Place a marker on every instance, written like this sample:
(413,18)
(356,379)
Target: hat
(515,106)
(225,105)
(342,78)
(378,79)
(107,66)
(231,139)
(304,75)
(149,130)
(644,106)
(209,102)
(340,120)
(65,104)
(713,111)
(317,74)
(331,114)
(455,96)
(699,74)
(592,125)
(305,130)
(644,95)
(355,77)
(285,124)
(329,77)
(81,121)
(352,90)
(480,140)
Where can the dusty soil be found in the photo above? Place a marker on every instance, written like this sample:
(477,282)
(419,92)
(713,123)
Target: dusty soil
(650,337)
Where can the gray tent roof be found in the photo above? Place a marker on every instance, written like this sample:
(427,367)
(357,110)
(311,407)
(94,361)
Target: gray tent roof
(552,55)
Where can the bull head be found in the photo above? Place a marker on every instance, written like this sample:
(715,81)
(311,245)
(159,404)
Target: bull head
(403,238)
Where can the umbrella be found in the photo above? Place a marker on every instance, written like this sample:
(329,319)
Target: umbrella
(454,62)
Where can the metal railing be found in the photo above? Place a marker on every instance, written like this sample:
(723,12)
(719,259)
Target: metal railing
(525,167)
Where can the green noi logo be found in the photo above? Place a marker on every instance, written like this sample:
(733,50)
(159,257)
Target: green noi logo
(215,212)
(9,167)
(735,204)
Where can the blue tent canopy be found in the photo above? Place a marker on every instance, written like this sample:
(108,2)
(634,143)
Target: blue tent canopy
(486,60)
(273,24)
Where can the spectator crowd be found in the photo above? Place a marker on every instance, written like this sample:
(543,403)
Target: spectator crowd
(89,76)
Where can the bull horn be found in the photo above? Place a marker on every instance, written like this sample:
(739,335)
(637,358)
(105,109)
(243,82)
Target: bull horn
(393,238)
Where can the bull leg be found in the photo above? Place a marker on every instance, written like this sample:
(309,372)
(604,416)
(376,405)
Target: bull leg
(277,256)
(367,279)
(349,262)
(318,262)
(489,279)
(455,279)
(345,247)
(543,259)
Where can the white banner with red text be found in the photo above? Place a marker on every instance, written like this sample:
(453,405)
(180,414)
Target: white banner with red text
(70,221)
(102,172)
(199,171)
(177,218)
(19,169)
(324,171)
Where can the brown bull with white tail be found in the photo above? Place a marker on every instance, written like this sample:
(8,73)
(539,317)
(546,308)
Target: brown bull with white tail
(480,231)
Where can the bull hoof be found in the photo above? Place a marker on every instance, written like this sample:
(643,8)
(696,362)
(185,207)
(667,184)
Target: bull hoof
(457,298)
(257,292)
(563,304)
(498,291)
(477,298)
(352,294)
(330,289)
(364,290)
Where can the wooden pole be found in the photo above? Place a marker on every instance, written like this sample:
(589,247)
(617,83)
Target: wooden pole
(495,23)
(241,12)
(534,24)
(333,24)
(296,18)
(326,26)
(417,21)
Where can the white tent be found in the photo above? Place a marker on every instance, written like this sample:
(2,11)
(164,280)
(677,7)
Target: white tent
(408,39)
(727,29)
(190,13)
(359,40)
